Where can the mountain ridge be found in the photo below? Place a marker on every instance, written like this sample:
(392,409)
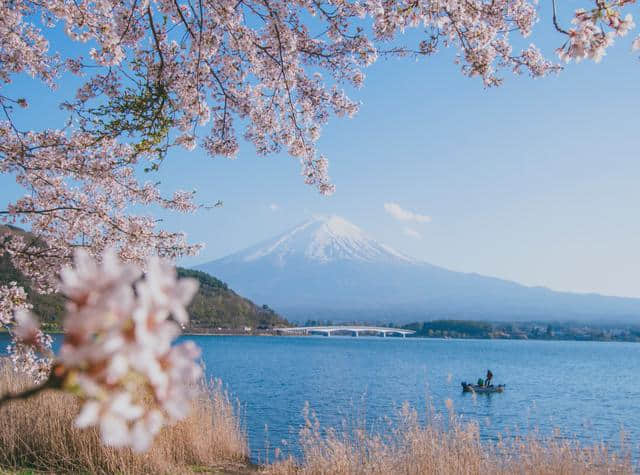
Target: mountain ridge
(328,268)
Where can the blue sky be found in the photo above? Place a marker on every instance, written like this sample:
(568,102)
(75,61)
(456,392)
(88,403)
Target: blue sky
(535,181)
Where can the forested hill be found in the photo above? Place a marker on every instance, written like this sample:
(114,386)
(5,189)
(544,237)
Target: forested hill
(214,306)
(217,306)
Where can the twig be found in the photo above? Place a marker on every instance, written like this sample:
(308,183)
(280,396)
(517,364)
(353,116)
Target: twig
(555,19)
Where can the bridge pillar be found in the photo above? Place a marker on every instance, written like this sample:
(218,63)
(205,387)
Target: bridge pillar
(355,333)
(404,335)
(384,334)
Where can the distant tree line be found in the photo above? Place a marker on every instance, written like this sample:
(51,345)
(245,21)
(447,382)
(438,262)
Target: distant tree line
(526,330)
(459,328)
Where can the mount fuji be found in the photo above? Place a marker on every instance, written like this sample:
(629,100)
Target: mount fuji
(329,269)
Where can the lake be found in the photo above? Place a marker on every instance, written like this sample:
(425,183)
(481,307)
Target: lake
(586,390)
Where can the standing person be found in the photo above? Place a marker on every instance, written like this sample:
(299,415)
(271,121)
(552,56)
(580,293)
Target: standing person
(487,381)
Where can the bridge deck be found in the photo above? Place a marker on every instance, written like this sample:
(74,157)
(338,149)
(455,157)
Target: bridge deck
(355,329)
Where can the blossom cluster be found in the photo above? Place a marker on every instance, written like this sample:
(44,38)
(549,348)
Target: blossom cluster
(30,347)
(118,354)
(595,30)
(80,193)
(12,298)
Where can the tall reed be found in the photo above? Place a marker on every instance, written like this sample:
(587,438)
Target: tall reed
(38,434)
(443,447)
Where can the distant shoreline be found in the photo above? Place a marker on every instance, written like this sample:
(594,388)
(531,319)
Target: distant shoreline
(631,334)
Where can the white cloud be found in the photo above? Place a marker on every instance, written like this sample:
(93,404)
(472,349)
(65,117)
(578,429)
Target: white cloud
(401,214)
(412,232)
(274,207)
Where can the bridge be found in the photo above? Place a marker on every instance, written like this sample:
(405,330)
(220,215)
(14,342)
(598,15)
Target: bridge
(354,330)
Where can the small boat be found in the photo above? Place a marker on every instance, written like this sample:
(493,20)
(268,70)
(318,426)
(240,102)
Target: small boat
(474,388)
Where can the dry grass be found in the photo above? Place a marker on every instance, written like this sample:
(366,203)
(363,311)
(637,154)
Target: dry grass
(439,448)
(38,434)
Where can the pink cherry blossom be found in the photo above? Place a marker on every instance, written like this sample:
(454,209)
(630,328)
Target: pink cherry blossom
(30,351)
(28,360)
(26,329)
(30,347)
(595,30)
(113,417)
(12,299)
(118,353)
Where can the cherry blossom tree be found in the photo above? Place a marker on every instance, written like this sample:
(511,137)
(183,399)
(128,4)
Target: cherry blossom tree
(155,75)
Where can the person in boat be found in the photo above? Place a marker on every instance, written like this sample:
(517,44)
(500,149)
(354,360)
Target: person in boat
(487,381)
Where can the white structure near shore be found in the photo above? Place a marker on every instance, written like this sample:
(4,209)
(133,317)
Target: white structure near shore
(353,329)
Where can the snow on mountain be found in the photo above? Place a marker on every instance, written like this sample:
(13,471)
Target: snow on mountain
(328,268)
(322,239)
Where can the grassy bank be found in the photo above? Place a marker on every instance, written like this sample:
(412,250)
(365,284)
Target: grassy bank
(38,435)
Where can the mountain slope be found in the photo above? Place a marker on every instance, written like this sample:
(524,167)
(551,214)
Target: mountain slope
(214,305)
(327,268)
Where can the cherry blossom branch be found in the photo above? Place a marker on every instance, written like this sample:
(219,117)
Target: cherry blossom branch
(41,211)
(52,382)
(155,39)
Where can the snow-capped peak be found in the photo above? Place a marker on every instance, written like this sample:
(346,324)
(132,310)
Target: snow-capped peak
(323,239)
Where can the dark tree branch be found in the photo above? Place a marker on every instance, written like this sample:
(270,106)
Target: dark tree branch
(21,396)
(555,19)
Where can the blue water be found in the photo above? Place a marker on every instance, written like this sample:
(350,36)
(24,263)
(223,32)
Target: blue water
(586,390)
